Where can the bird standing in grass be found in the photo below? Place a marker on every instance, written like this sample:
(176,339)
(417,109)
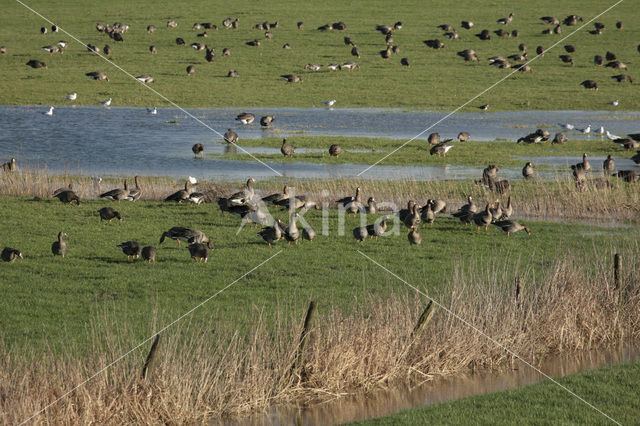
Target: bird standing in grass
(59,247)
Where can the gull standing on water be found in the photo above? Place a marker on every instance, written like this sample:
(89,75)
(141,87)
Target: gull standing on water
(600,131)
(106,103)
(611,136)
(586,130)
(50,112)
(153,111)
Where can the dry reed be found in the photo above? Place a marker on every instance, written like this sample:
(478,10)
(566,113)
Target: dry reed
(204,371)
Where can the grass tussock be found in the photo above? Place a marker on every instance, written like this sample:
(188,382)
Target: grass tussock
(204,371)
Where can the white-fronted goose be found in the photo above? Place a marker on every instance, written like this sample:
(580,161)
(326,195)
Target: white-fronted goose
(434,139)
(464,137)
(467,25)
(619,25)
(179,233)
(33,63)
(151,29)
(350,66)
(43,30)
(466,212)
(589,84)
(414,236)
(610,56)
(505,21)
(376,229)
(636,158)
(10,254)
(11,166)
(253,43)
(196,198)
(438,206)
(181,195)
(153,49)
(370,208)
(469,55)
(145,78)
(97,76)
(271,234)
(172,24)
(345,201)
(135,193)
(427,215)
(527,171)
(435,44)
(483,218)
(507,211)
(131,249)
(559,138)
(360,233)
(191,70)
(233,74)
(297,202)
(622,78)
(149,254)
(403,213)
(68,197)
(278,196)
(291,233)
(629,176)
(511,226)
(59,190)
(287,149)
(335,150)
(198,150)
(59,247)
(244,196)
(300,25)
(440,149)
(405,62)
(180,41)
(609,165)
(3,50)
(245,118)
(308,234)
(117,194)
(108,214)
(412,219)
(231,136)
(484,35)
(52,49)
(291,78)
(313,67)
(199,252)
(106,49)
(267,120)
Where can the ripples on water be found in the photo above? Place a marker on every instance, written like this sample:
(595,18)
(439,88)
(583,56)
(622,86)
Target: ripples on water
(126,140)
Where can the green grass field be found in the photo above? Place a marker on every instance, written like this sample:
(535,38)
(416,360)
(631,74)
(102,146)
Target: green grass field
(49,300)
(436,80)
(417,152)
(611,389)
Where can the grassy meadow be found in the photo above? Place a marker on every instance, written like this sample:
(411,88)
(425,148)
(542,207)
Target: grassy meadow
(616,394)
(436,80)
(417,152)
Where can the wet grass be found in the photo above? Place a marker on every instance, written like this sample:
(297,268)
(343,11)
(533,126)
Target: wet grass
(437,80)
(48,300)
(369,150)
(610,389)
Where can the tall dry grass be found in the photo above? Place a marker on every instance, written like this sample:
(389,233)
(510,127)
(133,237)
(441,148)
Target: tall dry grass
(204,371)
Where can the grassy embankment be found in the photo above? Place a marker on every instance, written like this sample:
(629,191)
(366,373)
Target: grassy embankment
(417,152)
(437,80)
(611,389)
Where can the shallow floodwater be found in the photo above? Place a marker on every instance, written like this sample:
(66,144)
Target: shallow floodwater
(124,140)
(439,390)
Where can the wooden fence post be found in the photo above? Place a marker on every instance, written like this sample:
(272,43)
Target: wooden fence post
(303,337)
(617,271)
(151,357)
(423,320)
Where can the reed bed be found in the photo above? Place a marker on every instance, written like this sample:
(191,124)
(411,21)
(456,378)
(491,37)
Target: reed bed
(206,371)
(558,199)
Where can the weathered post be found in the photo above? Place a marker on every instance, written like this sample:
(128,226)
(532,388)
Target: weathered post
(151,357)
(303,337)
(518,289)
(617,271)
(423,320)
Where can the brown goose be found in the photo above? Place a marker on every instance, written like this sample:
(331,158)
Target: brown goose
(483,218)
(245,118)
(527,171)
(117,194)
(68,197)
(438,206)
(370,208)
(360,233)
(153,49)
(346,201)
(589,84)
(271,234)
(198,252)
(181,195)
(413,219)
(131,249)
(427,215)
(149,254)
(464,137)
(291,78)
(440,149)
(405,62)
(287,149)
(10,254)
(609,165)
(233,74)
(198,150)
(496,212)
(244,196)
(59,247)
(97,75)
(145,78)
(291,233)
(135,193)
(59,190)
(403,213)
(507,211)
(10,166)
(191,70)
(108,214)
(278,196)
(231,136)
(511,226)
(376,229)
(414,237)
(33,63)
(179,233)
(466,212)
(308,234)
(560,138)
(434,139)
(267,120)
(335,150)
